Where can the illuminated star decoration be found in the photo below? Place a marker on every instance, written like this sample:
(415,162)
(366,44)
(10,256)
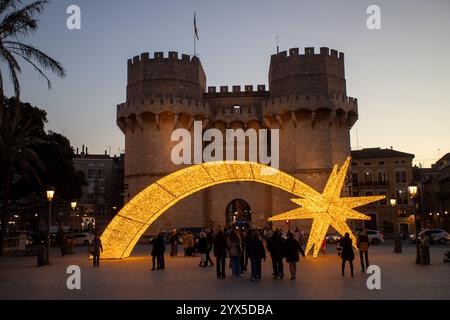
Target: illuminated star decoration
(328,209)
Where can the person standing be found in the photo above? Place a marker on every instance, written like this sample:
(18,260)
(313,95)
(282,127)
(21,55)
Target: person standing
(96,249)
(161,250)
(425,249)
(173,240)
(347,253)
(235,250)
(155,252)
(256,253)
(220,252)
(293,248)
(363,247)
(202,248)
(210,239)
(276,247)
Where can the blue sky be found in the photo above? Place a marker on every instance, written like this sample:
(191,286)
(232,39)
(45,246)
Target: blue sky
(400,74)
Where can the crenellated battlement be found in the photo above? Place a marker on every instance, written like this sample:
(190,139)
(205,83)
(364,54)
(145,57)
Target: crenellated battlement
(309,52)
(158,57)
(237,91)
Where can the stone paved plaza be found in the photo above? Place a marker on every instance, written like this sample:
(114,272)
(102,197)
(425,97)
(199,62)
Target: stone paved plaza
(183,279)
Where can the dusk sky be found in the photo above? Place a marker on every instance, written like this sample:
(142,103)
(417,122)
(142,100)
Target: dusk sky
(400,74)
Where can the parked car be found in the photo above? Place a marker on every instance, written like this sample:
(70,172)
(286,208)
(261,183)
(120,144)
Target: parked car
(437,236)
(332,238)
(83,238)
(375,237)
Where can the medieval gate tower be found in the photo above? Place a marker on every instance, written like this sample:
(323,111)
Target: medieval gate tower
(307,102)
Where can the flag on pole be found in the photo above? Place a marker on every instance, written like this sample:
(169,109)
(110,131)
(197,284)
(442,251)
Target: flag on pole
(195,27)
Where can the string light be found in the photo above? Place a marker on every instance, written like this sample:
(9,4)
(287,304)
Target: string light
(328,209)
(138,214)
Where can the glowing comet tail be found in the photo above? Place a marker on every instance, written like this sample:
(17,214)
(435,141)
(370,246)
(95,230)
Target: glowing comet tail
(138,214)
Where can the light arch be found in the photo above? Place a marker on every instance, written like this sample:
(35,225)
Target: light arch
(125,230)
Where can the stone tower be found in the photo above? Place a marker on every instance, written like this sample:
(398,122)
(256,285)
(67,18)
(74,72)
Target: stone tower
(307,102)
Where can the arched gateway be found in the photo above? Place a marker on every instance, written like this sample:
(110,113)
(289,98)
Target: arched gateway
(138,214)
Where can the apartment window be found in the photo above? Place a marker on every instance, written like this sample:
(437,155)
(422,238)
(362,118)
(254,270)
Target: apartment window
(396,162)
(237,109)
(403,161)
(400,176)
(355,178)
(368,178)
(384,201)
(381,163)
(367,163)
(369,193)
(354,163)
(101,210)
(101,174)
(91,198)
(381,177)
(402,197)
(91,174)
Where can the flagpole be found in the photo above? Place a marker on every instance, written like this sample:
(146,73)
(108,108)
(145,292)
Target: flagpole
(195,40)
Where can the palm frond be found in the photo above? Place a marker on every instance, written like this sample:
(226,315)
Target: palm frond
(37,55)
(21,22)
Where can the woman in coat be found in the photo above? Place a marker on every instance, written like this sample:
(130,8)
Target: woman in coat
(256,253)
(202,248)
(347,253)
(234,246)
(293,248)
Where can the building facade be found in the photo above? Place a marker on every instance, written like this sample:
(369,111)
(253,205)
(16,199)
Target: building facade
(102,196)
(307,102)
(388,172)
(434,193)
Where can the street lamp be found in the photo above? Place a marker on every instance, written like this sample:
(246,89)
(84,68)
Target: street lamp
(397,240)
(50,195)
(73,205)
(412,193)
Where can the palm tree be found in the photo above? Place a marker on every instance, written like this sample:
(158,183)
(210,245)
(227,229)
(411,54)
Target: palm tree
(17,21)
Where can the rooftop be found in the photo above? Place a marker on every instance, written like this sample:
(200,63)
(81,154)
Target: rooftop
(371,153)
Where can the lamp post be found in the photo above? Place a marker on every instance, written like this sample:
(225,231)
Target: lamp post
(73,205)
(397,240)
(412,193)
(50,195)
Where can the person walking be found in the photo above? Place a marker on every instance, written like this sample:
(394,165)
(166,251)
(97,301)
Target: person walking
(293,248)
(173,240)
(347,253)
(202,248)
(363,247)
(256,253)
(276,247)
(220,252)
(210,239)
(161,243)
(190,244)
(96,249)
(235,250)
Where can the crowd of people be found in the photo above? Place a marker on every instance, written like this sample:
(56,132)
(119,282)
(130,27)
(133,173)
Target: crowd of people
(242,247)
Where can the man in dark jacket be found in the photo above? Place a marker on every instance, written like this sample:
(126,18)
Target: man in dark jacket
(363,247)
(173,240)
(276,247)
(256,253)
(347,252)
(220,252)
(161,244)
